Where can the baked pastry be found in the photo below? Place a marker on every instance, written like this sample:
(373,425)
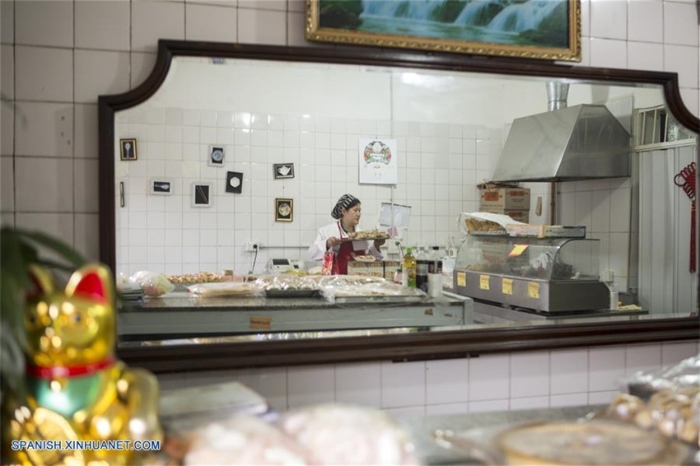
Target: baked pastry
(596,442)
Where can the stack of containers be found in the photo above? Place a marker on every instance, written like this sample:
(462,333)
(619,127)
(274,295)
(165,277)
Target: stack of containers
(511,201)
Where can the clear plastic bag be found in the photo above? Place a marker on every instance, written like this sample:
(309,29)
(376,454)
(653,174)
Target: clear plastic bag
(153,284)
(349,286)
(224,289)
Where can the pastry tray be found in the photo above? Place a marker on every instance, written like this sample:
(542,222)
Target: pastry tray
(347,240)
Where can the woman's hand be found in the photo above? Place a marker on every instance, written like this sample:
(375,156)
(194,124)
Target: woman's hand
(378,243)
(331,242)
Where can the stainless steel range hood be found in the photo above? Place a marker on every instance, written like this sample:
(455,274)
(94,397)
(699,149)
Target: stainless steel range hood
(574,143)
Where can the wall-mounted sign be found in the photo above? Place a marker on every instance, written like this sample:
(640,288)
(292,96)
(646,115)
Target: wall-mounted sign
(378,161)
(283,170)
(161,186)
(201,194)
(234,182)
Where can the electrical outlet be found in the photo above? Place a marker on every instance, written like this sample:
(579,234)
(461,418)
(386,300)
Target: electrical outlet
(250,246)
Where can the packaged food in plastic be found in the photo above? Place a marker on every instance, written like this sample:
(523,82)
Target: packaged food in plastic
(242,439)
(684,374)
(153,284)
(286,282)
(222,289)
(335,287)
(347,434)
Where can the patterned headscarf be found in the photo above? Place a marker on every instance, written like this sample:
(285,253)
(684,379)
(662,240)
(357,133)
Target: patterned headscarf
(346,201)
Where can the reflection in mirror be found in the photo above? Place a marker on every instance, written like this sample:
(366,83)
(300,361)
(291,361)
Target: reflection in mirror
(449,129)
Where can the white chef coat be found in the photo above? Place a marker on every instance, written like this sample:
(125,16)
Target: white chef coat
(318,248)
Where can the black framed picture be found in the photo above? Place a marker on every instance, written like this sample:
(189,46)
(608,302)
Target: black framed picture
(284,210)
(283,170)
(216,156)
(201,194)
(160,186)
(127,149)
(234,182)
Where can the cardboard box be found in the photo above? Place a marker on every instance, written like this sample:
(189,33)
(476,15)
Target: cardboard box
(504,198)
(516,214)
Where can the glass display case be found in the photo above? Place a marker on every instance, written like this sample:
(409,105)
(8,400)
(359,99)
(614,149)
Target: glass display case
(541,274)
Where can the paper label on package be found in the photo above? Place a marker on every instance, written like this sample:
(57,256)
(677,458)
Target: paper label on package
(260,323)
(533,290)
(517,250)
(484,282)
(461,279)
(507,286)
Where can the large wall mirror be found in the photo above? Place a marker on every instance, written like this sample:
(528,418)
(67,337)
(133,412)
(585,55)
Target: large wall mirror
(449,116)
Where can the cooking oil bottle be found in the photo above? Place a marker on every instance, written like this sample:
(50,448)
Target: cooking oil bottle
(409,269)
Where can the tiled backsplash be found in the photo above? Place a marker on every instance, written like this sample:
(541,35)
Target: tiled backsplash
(508,381)
(439,167)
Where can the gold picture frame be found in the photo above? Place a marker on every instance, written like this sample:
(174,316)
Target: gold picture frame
(284,210)
(127,150)
(525,29)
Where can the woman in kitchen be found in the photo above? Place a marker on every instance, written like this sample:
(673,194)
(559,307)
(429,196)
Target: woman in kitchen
(329,245)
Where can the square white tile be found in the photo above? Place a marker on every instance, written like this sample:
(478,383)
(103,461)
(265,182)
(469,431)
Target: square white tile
(58,225)
(262,27)
(271,383)
(100,72)
(606,368)
(358,384)
(211,23)
(7,73)
(141,66)
(34,83)
(608,19)
(403,384)
(602,398)
(680,23)
(447,381)
(684,61)
(171,381)
(46,129)
(645,56)
(645,21)
(44,185)
(151,21)
(85,122)
(310,385)
(447,409)
(199,378)
(673,353)
(608,53)
(642,358)
(406,412)
(529,374)
(7,22)
(102,25)
(85,180)
(7,130)
(44,23)
(86,235)
(489,377)
(7,185)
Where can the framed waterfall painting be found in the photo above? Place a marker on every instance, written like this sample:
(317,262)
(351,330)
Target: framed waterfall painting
(539,29)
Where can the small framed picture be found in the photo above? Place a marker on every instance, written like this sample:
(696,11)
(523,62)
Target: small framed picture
(283,170)
(160,186)
(216,156)
(201,194)
(284,210)
(127,149)
(234,182)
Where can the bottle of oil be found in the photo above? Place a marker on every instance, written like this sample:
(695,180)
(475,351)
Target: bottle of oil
(409,269)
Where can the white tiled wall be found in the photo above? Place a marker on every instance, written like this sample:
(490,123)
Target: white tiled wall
(541,379)
(173,143)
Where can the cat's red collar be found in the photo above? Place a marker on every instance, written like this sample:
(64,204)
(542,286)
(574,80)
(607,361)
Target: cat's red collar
(54,372)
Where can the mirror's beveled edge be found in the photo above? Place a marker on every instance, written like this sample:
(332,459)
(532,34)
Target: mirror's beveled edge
(420,346)
(415,346)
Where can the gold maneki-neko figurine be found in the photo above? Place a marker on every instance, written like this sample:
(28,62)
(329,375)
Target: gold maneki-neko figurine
(77,392)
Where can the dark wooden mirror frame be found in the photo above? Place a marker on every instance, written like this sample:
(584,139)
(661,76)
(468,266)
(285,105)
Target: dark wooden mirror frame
(396,347)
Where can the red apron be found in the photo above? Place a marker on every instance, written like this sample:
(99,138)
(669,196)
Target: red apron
(344,255)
